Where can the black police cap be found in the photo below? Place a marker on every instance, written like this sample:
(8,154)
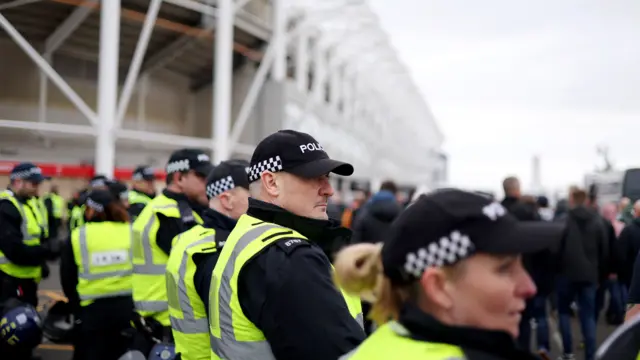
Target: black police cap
(294,152)
(184,160)
(226,176)
(450,225)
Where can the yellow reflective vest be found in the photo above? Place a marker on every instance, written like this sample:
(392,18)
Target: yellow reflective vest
(188,315)
(57,205)
(76,219)
(233,335)
(102,252)
(136,197)
(32,233)
(150,261)
(392,341)
(38,204)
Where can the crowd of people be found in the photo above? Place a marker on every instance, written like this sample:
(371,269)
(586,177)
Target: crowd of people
(254,260)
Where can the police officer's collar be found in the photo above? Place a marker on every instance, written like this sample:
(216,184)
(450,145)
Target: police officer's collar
(151,194)
(18,197)
(215,220)
(182,197)
(314,229)
(422,326)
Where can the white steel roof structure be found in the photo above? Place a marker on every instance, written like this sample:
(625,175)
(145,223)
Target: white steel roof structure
(341,77)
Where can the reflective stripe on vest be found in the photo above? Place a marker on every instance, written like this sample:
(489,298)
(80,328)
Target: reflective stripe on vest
(189,324)
(149,260)
(38,205)
(227,346)
(31,231)
(393,341)
(224,340)
(149,268)
(104,260)
(187,312)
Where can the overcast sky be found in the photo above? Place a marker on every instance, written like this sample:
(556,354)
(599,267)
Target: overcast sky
(507,79)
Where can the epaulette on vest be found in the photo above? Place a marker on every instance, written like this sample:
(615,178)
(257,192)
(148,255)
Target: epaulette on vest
(289,245)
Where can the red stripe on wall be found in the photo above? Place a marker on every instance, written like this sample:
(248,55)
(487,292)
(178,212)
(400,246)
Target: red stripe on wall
(74,171)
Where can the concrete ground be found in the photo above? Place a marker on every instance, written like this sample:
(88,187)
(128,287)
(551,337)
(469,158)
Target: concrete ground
(50,292)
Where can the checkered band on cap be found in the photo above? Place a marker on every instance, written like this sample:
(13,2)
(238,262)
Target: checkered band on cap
(219,186)
(94,205)
(25,173)
(273,164)
(446,251)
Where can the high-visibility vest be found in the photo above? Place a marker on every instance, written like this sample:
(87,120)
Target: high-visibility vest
(32,232)
(102,252)
(233,335)
(76,219)
(149,261)
(136,197)
(38,205)
(393,341)
(57,204)
(188,314)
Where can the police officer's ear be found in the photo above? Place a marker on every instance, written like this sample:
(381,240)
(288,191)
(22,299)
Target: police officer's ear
(436,287)
(89,213)
(272,183)
(225,200)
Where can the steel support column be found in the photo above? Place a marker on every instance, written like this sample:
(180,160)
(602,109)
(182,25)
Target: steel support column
(136,62)
(222,86)
(107,86)
(279,41)
(302,62)
(48,70)
(319,72)
(252,95)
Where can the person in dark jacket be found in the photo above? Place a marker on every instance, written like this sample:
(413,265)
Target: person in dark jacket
(425,283)
(628,247)
(524,208)
(372,226)
(583,258)
(373,221)
(143,189)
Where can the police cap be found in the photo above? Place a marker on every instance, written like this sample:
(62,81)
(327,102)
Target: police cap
(294,152)
(450,225)
(184,160)
(226,176)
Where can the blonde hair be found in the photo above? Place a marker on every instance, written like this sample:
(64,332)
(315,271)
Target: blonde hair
(359,271)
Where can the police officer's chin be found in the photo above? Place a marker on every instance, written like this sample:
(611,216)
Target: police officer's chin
(319,212)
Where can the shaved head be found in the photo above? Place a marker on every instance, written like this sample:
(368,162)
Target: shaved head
(511,186)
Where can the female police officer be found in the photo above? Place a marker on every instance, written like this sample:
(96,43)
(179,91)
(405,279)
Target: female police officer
(95,272)
(449,278)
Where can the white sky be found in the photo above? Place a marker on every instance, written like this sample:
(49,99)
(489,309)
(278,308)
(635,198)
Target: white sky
(507,79)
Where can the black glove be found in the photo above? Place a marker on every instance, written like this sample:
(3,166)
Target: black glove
(45,270)
(49,253)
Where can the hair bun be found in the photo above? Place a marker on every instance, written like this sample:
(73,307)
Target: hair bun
(358,269)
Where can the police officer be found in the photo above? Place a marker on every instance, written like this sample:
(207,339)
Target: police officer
(272,286)
(76,217)
(120,191)
(95,271)
(170,213)
(54,205)
(450,278)
(142,191)
(21,254)
(194,255)
(37,202)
